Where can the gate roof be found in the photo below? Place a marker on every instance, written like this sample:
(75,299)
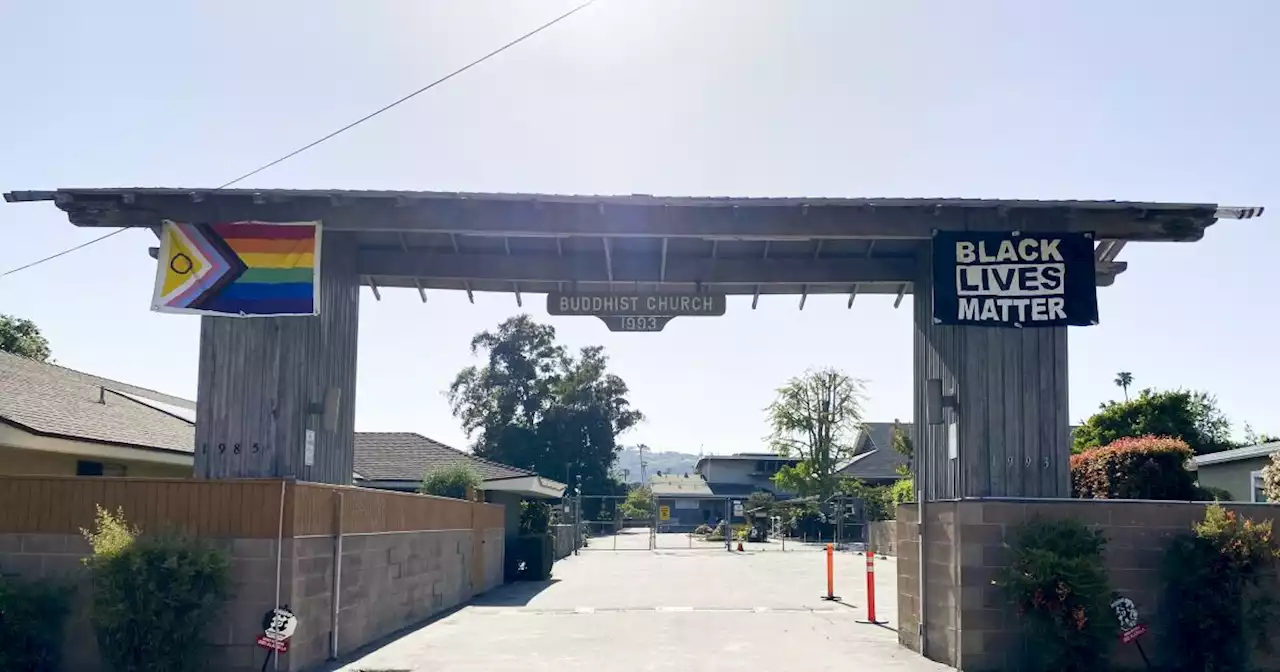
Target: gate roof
(546,242)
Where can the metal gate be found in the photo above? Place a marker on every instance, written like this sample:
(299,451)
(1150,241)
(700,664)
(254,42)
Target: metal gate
(604,527)
(671,534)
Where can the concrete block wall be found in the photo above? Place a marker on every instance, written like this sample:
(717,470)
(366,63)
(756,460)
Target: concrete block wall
(882,537)
(59,557)
(494,558)
(968,622)
(565,540)
(389,581)
(907,532)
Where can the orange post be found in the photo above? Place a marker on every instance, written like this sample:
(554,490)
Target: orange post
(871,590)
(831,582)
(871,586)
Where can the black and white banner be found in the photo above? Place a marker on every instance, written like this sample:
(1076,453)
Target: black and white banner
(1014,279)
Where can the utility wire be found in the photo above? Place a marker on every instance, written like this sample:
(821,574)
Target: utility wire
(344,129)
(422,90)
(66,251)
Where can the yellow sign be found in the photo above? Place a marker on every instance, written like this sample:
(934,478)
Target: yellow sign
(664,513)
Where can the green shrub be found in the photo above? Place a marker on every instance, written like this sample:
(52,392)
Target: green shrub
(876,499)
(153,596)
(32,614)
(1221,580)
(808,521)
(1057,582)
(1212,494)
(535,517)
(1148,467)
(903,492)
(451,481)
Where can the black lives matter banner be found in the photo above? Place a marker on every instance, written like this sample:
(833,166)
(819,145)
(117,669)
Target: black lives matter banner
(1011,279)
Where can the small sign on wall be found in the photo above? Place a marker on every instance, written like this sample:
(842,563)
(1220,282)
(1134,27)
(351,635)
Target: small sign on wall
(309,449)
(278,625)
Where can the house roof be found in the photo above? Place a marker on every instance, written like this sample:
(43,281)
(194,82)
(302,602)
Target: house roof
(877,459)
(677,485)
(51,400)
(744,457)
(1246,453)
(694,485)
(405,456)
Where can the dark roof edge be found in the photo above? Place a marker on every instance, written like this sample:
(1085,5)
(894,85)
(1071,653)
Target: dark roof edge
(103,442)
(67,196)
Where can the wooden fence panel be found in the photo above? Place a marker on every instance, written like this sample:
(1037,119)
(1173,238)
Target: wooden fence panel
(66,504)
(248,508)
(368,511)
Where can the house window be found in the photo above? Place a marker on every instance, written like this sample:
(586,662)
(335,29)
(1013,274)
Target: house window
(1255,488)
(90,468)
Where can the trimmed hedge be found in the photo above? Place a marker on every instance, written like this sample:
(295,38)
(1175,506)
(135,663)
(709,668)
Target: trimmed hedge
(1148,467)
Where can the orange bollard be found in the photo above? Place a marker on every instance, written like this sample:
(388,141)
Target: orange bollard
(831,584)
(871,590)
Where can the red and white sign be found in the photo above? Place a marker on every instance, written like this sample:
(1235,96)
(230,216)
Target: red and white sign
(277,645)
(1133,633)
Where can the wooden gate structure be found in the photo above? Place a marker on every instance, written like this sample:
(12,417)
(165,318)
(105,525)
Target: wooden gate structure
(276,395)
(266,381)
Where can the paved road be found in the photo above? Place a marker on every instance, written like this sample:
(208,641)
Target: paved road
(701,609)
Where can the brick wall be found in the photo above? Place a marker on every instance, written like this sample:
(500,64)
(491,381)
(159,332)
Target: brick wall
(969,624)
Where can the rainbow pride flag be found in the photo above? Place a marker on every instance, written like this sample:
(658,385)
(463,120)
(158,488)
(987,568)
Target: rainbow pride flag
(242,269)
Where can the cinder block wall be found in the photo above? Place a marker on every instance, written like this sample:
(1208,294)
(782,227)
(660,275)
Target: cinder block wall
(968,622)
(404,557)
(564,540)
(882,537)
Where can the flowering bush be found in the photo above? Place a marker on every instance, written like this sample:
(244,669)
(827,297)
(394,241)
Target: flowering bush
(1057,583)
(1271,478)
(1148,467)
(1221,579)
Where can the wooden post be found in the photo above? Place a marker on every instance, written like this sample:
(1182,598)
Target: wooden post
(265,382)
(1008,434)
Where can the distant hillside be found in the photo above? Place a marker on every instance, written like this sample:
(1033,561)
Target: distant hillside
(666,462)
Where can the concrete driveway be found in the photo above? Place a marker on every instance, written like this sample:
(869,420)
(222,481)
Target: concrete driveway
(674,608)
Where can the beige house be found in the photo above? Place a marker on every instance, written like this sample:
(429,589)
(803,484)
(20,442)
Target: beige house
(58,421)
(61,422)
(1237,471)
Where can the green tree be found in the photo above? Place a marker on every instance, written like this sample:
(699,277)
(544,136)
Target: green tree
(1124,379)
(639,504)
(23,337)
(760,499)
(534,405)
(450,481)
(1193,417)
(1252,438)
(906,447)
(816,418)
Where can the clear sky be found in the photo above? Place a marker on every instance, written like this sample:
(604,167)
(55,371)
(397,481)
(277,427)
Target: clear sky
(1136,100)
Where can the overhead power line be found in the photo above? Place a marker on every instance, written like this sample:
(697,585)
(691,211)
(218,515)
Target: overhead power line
(344,129)
(69,250)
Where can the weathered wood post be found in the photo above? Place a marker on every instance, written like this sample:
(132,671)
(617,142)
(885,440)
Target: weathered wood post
(277,394)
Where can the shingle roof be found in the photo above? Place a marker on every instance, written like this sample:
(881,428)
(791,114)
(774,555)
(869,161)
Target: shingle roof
(1246,453)
(882,460)
(679,486)
(405,456)
(51,400)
